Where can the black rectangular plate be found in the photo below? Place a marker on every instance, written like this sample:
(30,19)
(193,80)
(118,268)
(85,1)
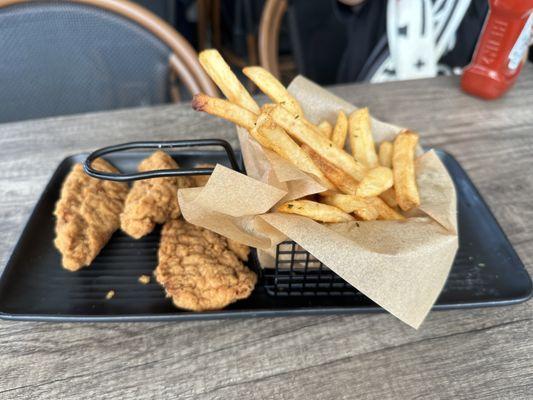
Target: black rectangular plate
(486,271)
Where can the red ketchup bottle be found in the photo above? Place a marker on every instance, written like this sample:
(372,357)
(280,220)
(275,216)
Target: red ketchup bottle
(500,51)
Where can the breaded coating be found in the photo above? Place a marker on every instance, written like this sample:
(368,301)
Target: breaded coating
(201,180)
(240,250)
(198,270)
(87,214)
(152,201)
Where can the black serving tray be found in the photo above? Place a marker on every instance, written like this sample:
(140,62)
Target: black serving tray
(486,271)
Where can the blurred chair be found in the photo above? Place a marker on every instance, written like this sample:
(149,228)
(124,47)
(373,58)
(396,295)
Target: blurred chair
(165,9)
(233,27)
(238,19)
(66,57)
(269,29)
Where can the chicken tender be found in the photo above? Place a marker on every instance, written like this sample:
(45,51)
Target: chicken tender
(201,180)
(87,214)
(198,270)
(152,201)
(240,250)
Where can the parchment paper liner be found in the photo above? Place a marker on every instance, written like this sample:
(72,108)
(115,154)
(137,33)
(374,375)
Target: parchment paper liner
(402,266)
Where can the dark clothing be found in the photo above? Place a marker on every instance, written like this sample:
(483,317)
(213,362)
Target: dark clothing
(365,28)
(320,28)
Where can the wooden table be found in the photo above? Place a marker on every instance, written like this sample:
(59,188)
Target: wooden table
(483,353)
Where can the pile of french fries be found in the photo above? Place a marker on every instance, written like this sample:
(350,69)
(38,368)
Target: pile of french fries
(366,185)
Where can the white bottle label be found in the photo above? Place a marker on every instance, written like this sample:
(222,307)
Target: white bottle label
(521,45)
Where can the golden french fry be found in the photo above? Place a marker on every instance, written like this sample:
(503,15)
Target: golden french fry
(282,144)
(385,154)
(338,137)
(385,212)
(385,159)
(389,197)
(224,109)
(273,88)
(360,206)
(326,128)
(300,131)
(361,141)
(403,163)
(376,181)
(225,79)
(317,211)
(337,176)
(231,112)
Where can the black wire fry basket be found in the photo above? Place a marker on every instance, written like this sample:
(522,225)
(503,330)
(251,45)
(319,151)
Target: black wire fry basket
(298,273)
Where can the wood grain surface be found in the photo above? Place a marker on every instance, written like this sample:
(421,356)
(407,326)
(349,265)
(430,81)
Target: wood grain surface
(480,353)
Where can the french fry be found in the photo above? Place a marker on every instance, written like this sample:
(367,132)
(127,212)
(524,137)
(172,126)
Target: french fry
(361,141)
(224,109)
(385,154)
(360,206)
(220,72)
(366,208)
(337,176)
(338,137)
(326,128)
(375,182)
(273,88)
(349,186)
(317,211)
(284,146)
(403,163)
(300,131)
(385,160)
(231,112)
(389,197)
(385,212)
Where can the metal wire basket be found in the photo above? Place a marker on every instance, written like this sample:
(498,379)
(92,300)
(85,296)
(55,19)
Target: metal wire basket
(298,273)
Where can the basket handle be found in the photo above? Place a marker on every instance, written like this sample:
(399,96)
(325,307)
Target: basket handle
(119,177)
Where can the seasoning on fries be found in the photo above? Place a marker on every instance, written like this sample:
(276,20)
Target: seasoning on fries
(317,211)
(365,185)
(230,112)
(337,176)
(218,70)
(385,212)
(284,146)
(360,206)
(385,154)
(224,109)
(361,141)
(273,88)
(326,128)
(340,131)
(403,164)
(375,182)
(304,134)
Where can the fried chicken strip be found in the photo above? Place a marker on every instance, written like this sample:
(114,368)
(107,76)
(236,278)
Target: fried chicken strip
(198,270)
(201,180)
(240,250)
(87,214)
(152,201)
